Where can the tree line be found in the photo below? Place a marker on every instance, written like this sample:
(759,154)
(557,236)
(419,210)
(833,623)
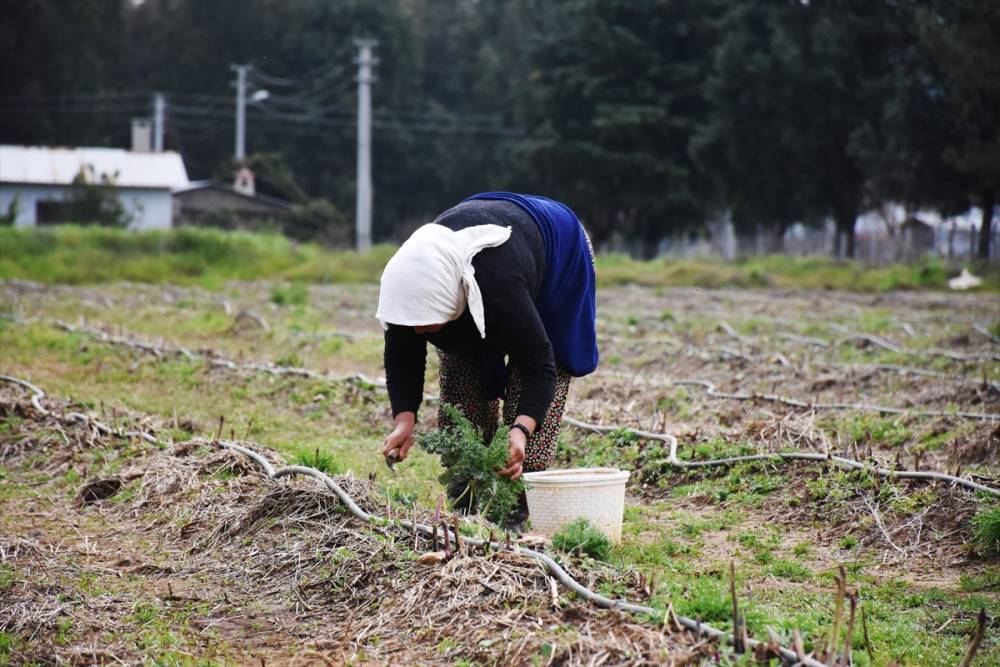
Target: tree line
(649,117)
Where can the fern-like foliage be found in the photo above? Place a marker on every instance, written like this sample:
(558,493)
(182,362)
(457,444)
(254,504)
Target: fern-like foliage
(471,466)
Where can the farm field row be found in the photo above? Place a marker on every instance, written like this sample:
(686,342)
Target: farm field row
(911,549)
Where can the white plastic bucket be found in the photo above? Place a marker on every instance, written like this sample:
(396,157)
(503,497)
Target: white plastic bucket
(559,497)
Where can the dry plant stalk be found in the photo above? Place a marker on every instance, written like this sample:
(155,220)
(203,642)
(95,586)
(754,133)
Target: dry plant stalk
(850,629)
(800,652)
(977,639)
(838,612)
(738,645)
(864,629)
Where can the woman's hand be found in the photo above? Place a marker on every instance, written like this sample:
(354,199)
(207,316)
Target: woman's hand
(517,441)
(515,446)
(398,442)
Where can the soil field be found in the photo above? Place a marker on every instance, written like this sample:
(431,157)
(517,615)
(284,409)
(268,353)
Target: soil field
(115,549)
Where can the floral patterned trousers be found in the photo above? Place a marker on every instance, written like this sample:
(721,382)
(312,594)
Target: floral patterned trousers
(461,387)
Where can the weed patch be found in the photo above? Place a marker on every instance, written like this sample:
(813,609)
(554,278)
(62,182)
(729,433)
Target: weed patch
(987,580)
(986,529)
(295,294)
(581,537)
(790,569)
(321,460)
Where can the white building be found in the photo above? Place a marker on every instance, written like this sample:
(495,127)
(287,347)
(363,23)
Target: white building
(38,177)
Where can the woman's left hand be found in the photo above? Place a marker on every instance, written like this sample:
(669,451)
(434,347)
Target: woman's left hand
(517,442)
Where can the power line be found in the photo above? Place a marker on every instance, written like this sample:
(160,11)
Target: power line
(465,115)
(34,113)
(267,79)
(319,74)
(73,96)
(292,108)
(34,107)
(306,117)
(200,98)
(217,110)
(256,113)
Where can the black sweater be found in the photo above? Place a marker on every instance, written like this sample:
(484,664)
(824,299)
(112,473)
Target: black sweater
(509,277)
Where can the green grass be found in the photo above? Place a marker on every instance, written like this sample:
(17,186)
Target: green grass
(581,537)
(322,461)
(209,258)
(184,256)
(790,569)
(295,294)
(903,618)
(7,578)
(789,579)
(987,580)
(867,428)
(781,271)
(10,645)
(986,529)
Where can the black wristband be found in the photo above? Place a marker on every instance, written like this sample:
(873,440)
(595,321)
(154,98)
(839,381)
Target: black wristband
(523,429)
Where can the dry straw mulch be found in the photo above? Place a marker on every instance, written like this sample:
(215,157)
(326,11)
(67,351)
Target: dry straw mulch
(118,551)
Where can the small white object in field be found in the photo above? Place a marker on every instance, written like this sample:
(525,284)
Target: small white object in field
(965,280)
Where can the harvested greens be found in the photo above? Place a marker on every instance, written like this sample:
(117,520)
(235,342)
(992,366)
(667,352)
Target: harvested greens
(471,467)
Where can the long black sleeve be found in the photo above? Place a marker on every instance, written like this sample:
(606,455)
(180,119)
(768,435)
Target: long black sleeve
(405,359)
(513,322)
(509,277)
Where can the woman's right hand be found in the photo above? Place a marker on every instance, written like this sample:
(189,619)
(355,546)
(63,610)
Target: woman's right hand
(401,438)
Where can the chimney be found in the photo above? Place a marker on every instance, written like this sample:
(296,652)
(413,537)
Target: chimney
(244,181)
(142,135)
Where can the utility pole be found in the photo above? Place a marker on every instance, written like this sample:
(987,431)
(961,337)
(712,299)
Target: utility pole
(159,107)
(363,213)
(241,110)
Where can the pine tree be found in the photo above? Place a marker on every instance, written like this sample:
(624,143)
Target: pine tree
(962,40)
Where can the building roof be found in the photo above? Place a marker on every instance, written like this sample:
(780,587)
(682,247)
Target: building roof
(43,165)
(217,185)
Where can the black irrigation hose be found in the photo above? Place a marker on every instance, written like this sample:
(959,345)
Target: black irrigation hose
(815,457)
(556,570)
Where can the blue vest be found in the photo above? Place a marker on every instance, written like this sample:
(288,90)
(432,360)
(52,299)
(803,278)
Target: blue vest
(566,300)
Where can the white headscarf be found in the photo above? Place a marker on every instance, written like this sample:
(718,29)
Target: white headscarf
(430,278)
